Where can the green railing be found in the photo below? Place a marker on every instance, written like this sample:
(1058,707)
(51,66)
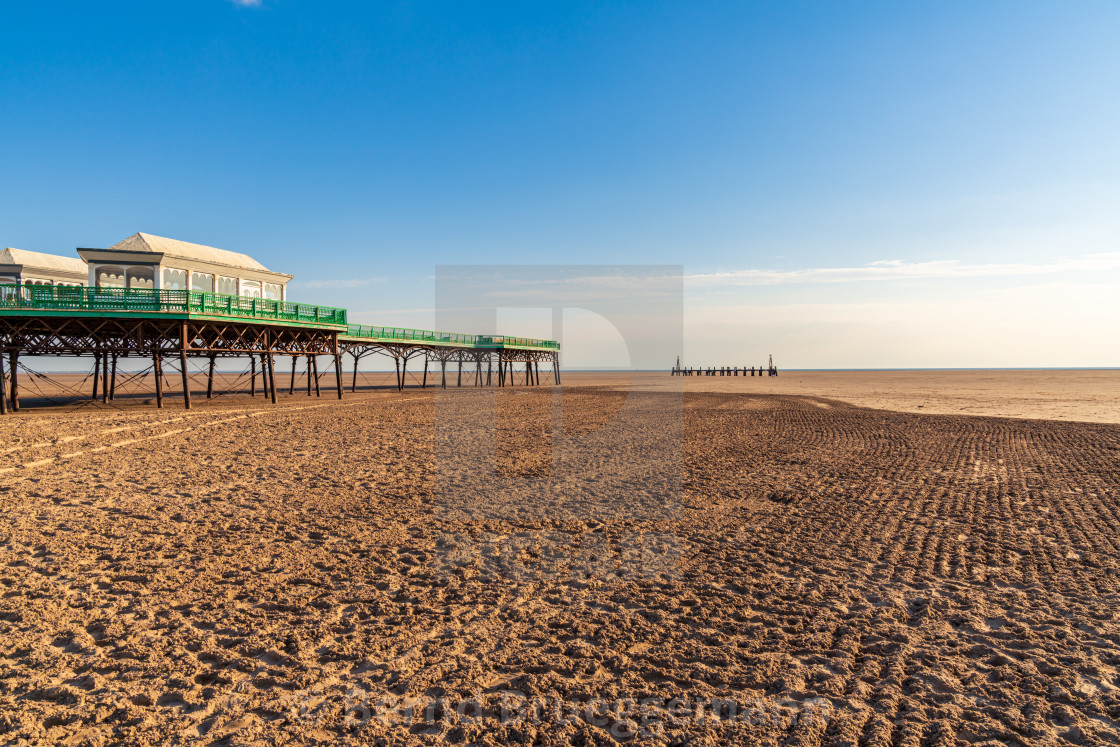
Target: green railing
(107,300)
(69,298)
(403,334)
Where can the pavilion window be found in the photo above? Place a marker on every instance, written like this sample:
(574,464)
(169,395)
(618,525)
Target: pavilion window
(110,276)
(174,279)
(227,286)
(251,288)
(273,291)
(37,281)
(8,280)
(140,278)
(202,282)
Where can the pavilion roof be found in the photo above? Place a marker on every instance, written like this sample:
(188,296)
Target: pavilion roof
(43,261)
(146,242)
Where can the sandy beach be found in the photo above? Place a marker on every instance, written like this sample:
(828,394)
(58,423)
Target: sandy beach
(813,559)
(1080,395)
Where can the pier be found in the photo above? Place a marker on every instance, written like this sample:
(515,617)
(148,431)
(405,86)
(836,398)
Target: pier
(769,370)
(107,325)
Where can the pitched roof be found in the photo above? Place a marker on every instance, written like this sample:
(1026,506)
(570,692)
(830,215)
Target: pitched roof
(145,242)
(43,261)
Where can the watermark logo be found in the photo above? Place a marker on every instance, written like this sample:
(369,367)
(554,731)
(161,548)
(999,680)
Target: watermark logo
(623,718)
(573,462)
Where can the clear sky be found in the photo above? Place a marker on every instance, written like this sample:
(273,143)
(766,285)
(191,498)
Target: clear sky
(845,184)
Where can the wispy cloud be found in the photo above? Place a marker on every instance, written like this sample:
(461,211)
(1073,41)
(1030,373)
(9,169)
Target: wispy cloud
(246,3)
(900,270)
(347,283)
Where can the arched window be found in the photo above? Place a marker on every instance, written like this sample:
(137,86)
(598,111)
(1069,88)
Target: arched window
(109,276)
(140,278)
(202,282)
(175,280)
(251,288)
(227,286)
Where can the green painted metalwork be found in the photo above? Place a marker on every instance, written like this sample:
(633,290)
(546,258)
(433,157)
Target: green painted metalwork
(446,339)
(57,300)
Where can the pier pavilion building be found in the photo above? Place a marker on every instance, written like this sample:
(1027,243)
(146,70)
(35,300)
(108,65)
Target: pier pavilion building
(143,261)
(20,267)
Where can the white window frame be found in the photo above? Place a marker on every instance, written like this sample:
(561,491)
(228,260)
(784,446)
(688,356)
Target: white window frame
(186,277)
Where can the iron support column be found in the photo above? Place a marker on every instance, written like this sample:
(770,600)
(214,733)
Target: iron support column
(157,369)
(13,364)
(113,380)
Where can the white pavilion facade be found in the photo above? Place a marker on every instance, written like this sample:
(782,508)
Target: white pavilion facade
(152,262)
(21,267)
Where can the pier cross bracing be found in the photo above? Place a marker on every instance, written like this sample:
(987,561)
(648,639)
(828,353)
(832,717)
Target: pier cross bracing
(159,324)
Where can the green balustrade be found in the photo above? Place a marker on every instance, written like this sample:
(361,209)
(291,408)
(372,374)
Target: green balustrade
(107,301)
(174,302)
(403,334)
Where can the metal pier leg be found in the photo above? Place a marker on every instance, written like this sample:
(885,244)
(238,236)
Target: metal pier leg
(315,369)
(272,376)
(489,367)
(210,380)
(478,373)
(3,381)
(460,382)
(443,374)
(292,384)
(96,374)
(266,387)
(404,371)
(338,373)
(186,379)
(157,369)
(556,367)
(309,376)
(252,375)
(354,381)
(425,382)
(113,380)
(13,365)
(397,363)
(105,379)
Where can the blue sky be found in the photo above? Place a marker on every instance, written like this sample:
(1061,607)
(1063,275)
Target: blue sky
(774,150)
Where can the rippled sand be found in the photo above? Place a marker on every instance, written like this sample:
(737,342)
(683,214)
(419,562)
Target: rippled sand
(755,567)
